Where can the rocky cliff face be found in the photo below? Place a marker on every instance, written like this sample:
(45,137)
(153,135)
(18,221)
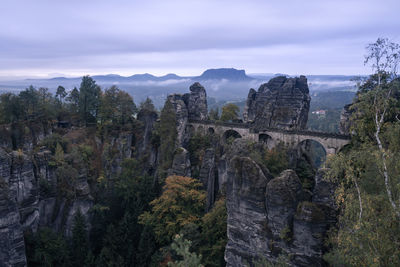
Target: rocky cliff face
(268,217)
(12,247)
(196,102)
(282,103)
(344,125)
(29,188)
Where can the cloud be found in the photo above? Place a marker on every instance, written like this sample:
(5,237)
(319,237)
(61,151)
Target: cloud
(165,36)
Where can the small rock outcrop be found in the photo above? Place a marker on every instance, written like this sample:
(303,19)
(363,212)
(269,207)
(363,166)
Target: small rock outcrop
(196,102)
(208,173)
(192,106)
(281,103)
(180,163)
(181,114)
(344,124)
(148,119)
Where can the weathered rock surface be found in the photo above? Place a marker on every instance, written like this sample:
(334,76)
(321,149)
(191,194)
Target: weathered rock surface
(268,217)
(282,196)
(192,105)
(181,114)
(344,124)
(180,163)
(247,218)
(208,177)
(282,103)
(196,102)
(12,247)
(148,119)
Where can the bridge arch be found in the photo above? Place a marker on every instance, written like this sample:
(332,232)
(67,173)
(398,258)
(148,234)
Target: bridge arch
(211,130)
(231,134)
(267,140)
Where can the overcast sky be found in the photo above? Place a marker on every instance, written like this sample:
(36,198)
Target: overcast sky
(70,37)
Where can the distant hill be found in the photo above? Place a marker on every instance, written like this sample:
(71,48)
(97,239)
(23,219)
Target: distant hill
(224,73)
(224,84)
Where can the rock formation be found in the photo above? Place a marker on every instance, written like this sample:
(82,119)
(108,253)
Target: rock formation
(269,217)
(344,125)
(246,226)
(181,114)
(180,163)
(190,106)
(196,102)
(12,247)
(282,103)
(208,176)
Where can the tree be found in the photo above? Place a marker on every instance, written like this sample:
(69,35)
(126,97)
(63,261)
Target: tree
(11,109)
(214,114)
(230,112)
(385,58)
(29,100)
(59,154)
(182,202)
(368,173)
(213,235)
(182,246)
(79,242)
(147,105)
(73,99)
(89,99)
(47,248)
(61,93)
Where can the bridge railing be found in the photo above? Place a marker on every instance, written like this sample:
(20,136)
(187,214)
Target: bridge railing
(252,129)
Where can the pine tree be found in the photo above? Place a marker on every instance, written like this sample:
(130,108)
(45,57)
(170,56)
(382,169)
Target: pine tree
(80,243)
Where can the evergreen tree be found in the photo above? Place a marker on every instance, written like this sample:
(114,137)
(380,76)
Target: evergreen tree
(89,99)
(182,247)
(79,242)
(61,93)
(147,105)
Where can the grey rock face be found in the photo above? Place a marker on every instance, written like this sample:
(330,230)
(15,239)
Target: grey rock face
(344,124)
(83,205)
(181,114)
(181,163)
(208,176)
(148,119)
(118,148)
(196,102)
(282,103)
(12,247)
(247,217)
(268,217)
(24,188)
(192,105)
(282,196)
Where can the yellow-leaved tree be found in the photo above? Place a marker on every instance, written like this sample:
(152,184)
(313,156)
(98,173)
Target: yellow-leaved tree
(182,202)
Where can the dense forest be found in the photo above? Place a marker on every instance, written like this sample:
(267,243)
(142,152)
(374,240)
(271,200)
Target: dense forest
(138,218)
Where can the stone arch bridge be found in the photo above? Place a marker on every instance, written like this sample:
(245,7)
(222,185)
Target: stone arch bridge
(331,142)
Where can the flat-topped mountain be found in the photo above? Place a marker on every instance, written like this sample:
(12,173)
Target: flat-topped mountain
(224,73)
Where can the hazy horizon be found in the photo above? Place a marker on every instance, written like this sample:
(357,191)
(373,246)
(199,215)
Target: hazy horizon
(46,39)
